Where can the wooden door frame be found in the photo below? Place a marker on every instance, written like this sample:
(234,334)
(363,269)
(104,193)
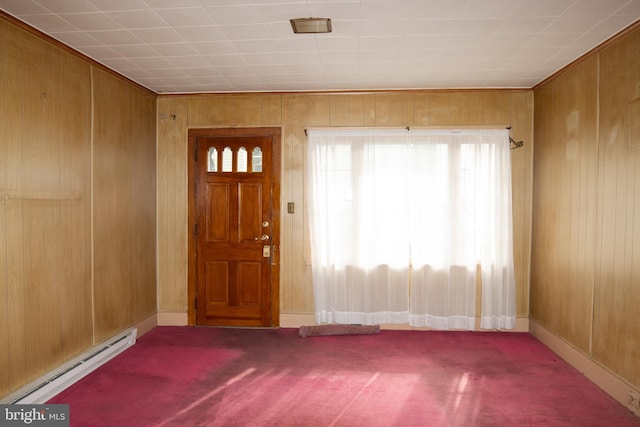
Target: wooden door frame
(276,134)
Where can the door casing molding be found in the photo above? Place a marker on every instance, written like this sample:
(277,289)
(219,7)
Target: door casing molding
(276,136)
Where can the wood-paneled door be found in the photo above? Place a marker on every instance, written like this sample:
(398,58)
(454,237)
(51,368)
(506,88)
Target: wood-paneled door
(234,221)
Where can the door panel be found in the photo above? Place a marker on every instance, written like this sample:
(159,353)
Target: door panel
(218,214)
(249,208)
(233,208)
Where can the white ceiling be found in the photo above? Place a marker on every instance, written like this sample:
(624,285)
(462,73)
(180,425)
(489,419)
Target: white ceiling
(183,46)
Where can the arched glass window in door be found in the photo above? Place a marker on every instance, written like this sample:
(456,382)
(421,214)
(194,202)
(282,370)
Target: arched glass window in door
(227,160)
(241,160)
(256,160)
(212,165)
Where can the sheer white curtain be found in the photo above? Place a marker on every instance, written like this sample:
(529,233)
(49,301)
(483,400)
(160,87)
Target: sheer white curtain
(402,221)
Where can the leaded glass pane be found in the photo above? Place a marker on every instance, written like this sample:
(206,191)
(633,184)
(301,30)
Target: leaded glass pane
(256,160)
(227,160)
(242,160)
(212,165)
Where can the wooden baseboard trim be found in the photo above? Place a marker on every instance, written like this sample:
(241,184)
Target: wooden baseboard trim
(288,320)
(147,324)
(596,373)
(172,319)
(295,320)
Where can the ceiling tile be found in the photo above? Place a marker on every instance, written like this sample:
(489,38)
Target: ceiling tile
(335,10)
(153,63)
(537,53)
(114,5)
(232,15)
(173,49)
(382,28)
(542,8)
(158,35)
(580,24)
(593,7)
(553,40)
(479,26)
(612,24)
(507,43)
(50,23)
(185,62)
(68,6)
(91,21)
(251,46)
(303,44)
(490,9)
(184,45)
(186,17)
(630,10)
(119,63)
(214,48)
(277,13)
(138,19)
(135,51)
(523,26)
(333,44)
(100,53)
(245,32)
(428,26)
(228,60)
(381,43)
(172,4)
(23,7)
(344,28)
(201,34)
(76,38)
(201,71)
(114,38)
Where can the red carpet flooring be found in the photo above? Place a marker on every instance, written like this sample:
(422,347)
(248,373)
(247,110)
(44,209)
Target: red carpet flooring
(187,376)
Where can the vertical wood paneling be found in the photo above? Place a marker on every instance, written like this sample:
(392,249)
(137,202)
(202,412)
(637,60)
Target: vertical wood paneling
(172,188)
(521,172)
(421,109)
(73,120)
(300,111)
(124,205)
(111,172)
(496,108)
(45,209)
(616,330)
(271,110)
(564,214)
(46,289)
(17,49)
(38,191)
(201,114)
(585,279)
(439,109)
(143,188)
(370,111)
(459,114)
(4,179)
(356,110)
(631,369)
(339,110)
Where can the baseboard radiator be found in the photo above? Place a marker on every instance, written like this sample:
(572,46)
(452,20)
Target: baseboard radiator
(43,389)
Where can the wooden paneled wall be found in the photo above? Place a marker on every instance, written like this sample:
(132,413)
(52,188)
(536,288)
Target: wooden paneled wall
(124,204)
(585,268)
(294,113)
(77,190)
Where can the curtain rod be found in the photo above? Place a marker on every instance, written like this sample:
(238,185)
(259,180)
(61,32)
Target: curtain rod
(513,142)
